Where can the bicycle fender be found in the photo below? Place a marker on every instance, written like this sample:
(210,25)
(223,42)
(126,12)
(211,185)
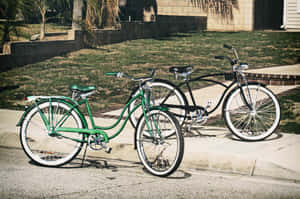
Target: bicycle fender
(28,109)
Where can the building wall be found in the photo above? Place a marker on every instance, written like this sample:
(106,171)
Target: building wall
(226,15)
(292,14)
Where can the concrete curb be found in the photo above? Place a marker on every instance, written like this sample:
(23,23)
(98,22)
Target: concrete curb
(201,153)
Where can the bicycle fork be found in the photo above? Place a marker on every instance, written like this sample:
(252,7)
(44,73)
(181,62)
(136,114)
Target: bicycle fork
(152,124)
(243,96)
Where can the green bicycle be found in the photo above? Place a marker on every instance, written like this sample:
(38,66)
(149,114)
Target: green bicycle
(53,130)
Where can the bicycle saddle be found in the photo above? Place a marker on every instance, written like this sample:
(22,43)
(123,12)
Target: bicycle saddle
(181,69)
(83,89)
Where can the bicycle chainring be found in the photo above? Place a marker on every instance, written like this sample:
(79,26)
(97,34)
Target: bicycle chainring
(95,142)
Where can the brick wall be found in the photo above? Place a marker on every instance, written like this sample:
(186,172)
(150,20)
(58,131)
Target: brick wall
(274,79)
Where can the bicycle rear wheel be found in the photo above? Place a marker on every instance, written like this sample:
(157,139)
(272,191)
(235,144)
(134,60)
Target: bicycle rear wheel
(43,148)
(163,94)
(258,123)
(160,154)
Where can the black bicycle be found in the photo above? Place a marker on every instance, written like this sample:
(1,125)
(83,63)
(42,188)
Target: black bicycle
(250,110)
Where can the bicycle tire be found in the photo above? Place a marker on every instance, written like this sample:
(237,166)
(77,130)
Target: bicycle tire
(161,155)
(256,124)
(46,150)
(160,89)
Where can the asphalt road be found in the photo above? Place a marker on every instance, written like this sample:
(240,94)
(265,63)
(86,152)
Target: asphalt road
(108,178)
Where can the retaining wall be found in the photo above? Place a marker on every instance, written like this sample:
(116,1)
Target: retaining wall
(22,53)
(164,26)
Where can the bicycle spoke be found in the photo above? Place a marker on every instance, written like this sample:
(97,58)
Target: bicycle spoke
(239,123)
(160,154)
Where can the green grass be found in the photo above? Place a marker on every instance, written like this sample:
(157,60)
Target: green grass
(88,66)
(290,111)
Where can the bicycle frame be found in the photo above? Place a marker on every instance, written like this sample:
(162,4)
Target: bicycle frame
(54,130)
(202,78)
(190,108)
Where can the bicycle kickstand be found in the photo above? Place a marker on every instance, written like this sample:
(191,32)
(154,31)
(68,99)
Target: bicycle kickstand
(84,154)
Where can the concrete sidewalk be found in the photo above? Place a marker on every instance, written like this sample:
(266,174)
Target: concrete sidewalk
(208,148)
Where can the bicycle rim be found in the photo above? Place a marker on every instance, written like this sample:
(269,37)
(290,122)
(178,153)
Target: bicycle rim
(256,124)
(161,155)
(49,150)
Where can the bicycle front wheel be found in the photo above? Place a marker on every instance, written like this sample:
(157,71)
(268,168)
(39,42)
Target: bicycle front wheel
(163,94)
(160,154)
(256,123)
(40,145)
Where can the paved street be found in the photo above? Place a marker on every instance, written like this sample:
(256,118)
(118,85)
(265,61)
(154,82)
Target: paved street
(107,178)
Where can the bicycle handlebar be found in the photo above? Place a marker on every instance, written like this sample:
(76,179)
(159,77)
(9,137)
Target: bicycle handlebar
(227,46)
(232,62)
(225,57)
(122,74)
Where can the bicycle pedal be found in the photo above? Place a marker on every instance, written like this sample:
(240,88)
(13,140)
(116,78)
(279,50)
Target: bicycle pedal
(108,149)
(209,103)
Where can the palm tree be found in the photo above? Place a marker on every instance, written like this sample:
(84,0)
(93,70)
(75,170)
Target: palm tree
(94,9)
(100,13)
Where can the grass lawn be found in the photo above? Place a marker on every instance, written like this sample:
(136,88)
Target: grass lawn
(88,66)
(290,111)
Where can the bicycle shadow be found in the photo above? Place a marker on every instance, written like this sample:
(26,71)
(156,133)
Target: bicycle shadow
(274,136)
(215,132)
(114,165)
(205,131)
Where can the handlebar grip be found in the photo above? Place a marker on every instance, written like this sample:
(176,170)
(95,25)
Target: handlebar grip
(111,73)
(227,46)
(219,57)
(117,74)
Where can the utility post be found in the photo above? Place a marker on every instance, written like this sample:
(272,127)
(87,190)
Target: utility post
(77,14)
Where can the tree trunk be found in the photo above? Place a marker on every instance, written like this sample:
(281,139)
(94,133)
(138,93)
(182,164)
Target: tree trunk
(110,13)
(94,13)
(43,27)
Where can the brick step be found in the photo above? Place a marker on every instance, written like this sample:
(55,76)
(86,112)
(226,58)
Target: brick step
(274,79)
